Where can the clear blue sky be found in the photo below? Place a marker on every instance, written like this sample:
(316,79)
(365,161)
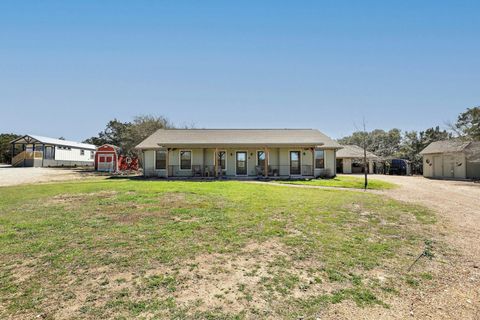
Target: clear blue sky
(67,67)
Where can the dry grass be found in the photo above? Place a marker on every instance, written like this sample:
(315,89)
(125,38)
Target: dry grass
(123,249)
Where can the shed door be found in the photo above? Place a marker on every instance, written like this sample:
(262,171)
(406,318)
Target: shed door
(449,166)
(437,166)
(106,162)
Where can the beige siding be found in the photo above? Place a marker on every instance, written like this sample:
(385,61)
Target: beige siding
(279,159)
(347,165)
(451,165)
(330,163)
(149,163)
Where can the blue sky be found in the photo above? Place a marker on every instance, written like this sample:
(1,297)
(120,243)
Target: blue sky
(67,67)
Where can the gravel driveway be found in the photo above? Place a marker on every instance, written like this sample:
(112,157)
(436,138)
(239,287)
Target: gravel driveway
(457,204)
(10,176)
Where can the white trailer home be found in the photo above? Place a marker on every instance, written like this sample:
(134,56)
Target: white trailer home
(37,151)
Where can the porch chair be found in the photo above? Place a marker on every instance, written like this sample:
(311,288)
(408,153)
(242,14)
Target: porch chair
(197,171)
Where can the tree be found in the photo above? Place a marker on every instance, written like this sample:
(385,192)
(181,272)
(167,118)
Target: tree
(6,147)
(468,124)
(413,142)
(126,135)
(382,143)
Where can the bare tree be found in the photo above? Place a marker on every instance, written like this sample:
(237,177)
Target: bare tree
(365,163)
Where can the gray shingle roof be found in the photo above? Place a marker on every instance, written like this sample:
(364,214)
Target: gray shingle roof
(446,146)
(353,151)
(237,137)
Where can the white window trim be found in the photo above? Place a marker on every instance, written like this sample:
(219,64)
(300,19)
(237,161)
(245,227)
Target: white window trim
(226,157)
(155,160)
(246,161)
(180,160)
(290,163)
(256,156)
(315,159)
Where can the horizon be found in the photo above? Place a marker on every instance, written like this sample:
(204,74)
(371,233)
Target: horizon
(70,67)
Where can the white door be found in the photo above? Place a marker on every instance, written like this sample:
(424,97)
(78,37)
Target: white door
(105,162)
(437,166)
(449,166)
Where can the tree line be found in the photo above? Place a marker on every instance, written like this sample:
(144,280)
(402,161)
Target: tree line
(387,144)
(407,145)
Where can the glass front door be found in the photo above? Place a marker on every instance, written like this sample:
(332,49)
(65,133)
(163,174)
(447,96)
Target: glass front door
(295,162)
(241,163)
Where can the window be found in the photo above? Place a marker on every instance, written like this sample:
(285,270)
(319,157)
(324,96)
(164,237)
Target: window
(185,160)
(261,158)
(92,155)
(222,160)
(82,152)
(319,159)
(49,153)
(160,160)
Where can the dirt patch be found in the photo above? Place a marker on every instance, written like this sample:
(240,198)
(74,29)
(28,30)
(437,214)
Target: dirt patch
(10,176)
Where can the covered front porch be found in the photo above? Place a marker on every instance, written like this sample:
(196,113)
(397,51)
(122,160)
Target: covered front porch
(29,152)
(239,162)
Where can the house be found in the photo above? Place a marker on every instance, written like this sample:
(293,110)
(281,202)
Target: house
(106,158)
(350,160)
(37,151)
(452,159)
(238,153)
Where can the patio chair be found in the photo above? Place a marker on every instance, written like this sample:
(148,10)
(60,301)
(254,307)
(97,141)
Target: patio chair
(197,171)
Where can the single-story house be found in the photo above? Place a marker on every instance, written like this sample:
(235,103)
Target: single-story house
(350,160)
(452,159)
(238,153)
(37,151)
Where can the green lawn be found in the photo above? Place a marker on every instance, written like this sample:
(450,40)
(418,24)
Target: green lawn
(229,250)
(344,182)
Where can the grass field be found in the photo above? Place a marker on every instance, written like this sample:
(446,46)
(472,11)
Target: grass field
(207,250)
(344,182)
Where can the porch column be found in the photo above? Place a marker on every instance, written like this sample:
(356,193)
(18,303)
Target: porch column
(13,152)
(265,166)
(313,161)
(215,156)
(166,162)
(43,153)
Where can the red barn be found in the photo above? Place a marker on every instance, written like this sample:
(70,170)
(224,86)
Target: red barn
(106,158)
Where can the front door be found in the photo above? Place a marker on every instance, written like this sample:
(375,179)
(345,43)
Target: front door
(241,166)
(295,163)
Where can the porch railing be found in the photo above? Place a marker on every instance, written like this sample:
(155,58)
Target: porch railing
(194,171)
(285,170)
(209,171)
(26,155)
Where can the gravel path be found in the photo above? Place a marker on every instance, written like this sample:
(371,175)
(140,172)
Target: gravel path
(457,204)
(14,176)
